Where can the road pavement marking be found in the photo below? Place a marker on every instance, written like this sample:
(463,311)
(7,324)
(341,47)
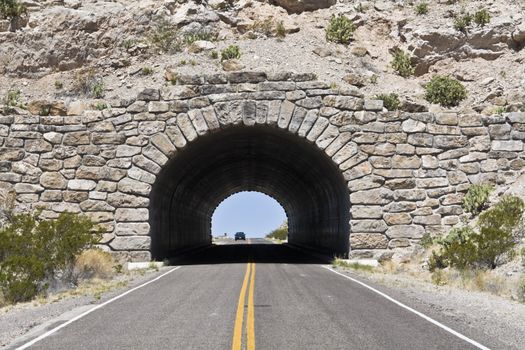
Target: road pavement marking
(408,308)
(237,329)
(250,321)
(76,318)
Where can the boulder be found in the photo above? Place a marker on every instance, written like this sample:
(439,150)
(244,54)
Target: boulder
(298,6)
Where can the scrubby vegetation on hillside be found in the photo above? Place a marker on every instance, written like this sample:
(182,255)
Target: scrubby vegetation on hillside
(280,233)
(36,252)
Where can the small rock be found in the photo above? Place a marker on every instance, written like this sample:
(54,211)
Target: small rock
(201,45)
(322,51)
(354,79)
(359,51)
(232,65)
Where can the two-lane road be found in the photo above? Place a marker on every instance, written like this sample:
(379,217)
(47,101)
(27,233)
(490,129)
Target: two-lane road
(254,295)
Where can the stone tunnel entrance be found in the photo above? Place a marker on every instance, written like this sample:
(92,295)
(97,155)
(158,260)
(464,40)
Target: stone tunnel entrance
(295,172)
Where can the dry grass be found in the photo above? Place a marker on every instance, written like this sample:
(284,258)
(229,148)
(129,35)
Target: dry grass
(487,281)
(340,263)
(94,263)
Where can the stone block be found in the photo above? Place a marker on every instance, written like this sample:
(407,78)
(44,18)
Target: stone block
(374,196)
(81,185)
(377,225)
(131,243)
(368,241)
(132,214)
(405,231)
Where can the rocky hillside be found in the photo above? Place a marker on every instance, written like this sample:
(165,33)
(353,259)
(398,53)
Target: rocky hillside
(60,52)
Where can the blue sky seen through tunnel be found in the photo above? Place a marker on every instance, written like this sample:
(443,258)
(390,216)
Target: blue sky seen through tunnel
(253,213)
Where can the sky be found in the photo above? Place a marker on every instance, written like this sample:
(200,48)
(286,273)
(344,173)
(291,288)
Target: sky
(253,213)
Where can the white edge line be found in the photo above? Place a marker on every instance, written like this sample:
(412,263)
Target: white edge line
(406,307)
(78,317)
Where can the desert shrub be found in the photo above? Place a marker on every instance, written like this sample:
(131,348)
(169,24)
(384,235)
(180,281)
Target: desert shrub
(279,233)
(446,91)
(402,63)
(230,53)
(390,101)
(476,198)
(264,26)
(427,240)
(214,54)
(494,235)
(280,30)
(12,98)
(422,8)
(340,30)
(165,36)
(98,89)
(128,43)
(100,106)
(94,263)
(459,248)
(439,278)
(482,17)
(147,70)
(11,9)
(461,23)
(87,82)
(193,36)
(32,251)
(497,230)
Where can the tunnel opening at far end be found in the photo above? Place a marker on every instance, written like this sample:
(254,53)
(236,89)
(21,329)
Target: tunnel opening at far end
(295,172)
(253,213)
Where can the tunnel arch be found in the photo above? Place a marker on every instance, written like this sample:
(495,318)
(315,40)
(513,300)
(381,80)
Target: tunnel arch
(295,172)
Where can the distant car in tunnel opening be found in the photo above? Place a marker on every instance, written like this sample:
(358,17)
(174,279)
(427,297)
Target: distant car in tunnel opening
(240,235)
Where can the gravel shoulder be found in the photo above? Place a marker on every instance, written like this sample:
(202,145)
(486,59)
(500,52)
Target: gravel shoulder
(27,320)
(490,316)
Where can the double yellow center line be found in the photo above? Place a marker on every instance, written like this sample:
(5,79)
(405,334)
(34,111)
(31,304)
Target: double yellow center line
(249,280)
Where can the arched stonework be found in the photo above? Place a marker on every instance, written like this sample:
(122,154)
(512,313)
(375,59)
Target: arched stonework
(405,173)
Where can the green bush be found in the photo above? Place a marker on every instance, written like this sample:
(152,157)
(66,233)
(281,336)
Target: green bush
(446,91)
(461,23)
(98,89)
(497,230)
(422,8)
(390,101)
(402,63)
(32,251)
(11,9)
(279,233)
(12,98)
(494,235)
(206,35)
(476,198)
(230,53)
(482,17)
(459,248)
(340,30)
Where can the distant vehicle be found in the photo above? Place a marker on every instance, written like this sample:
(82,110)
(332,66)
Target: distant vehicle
(240,235)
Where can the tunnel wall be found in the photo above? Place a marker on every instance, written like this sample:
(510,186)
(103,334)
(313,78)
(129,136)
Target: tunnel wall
(405,173)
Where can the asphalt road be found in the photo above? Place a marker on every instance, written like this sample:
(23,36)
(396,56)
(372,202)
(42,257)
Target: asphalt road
(292,300)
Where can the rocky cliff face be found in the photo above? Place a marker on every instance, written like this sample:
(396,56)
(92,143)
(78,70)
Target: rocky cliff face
(59,47)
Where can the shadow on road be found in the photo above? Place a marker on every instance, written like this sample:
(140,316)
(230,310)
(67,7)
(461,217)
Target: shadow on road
(262,253)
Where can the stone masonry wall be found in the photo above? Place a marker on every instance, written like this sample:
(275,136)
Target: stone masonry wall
(406,172)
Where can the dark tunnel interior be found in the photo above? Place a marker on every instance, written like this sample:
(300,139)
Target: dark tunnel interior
(295,172)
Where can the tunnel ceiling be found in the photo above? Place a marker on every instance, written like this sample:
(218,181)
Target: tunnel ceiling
(295,172)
